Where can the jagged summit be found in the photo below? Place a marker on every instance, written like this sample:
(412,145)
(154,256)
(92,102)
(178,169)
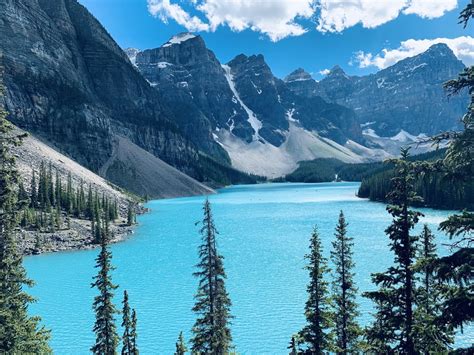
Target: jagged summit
(132,54)
(336,70)
(298,75)
(180,38)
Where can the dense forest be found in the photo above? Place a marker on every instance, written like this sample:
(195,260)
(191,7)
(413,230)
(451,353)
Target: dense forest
(420,301)
(436,188)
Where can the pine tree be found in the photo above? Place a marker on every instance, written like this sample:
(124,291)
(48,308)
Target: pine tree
(34,193)
(395,298)
(347,330)
(293,346)
(69,195)
(315,334)
(133,333)
(19,333)
(431,336)
(127,325)
(58,190)
(104,328)
(130,214)
(455,270)
(181,347)
(211,330)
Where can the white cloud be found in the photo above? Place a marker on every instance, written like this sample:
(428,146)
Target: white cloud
(282,18)
(277,19)
(430,9)
(324,72)
(462,47)
(164,9)
(337,15)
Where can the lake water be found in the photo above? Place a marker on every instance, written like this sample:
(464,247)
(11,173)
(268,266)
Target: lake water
(264,235)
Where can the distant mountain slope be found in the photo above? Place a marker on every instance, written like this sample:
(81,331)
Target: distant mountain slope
(406,96)
(147,175)
(70,83)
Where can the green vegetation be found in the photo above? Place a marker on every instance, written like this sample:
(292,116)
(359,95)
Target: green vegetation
(316,334)
(104,328)
(347,330)
(181,347)
(211,329)
(392,330)
(20,333)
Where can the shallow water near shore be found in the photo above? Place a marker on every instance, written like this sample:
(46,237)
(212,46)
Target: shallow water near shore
(264,235)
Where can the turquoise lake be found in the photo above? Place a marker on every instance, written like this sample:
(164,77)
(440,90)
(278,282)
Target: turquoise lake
(264,235)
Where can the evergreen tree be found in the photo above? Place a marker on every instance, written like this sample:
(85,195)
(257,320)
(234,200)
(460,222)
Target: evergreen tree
(130,214)
(181,347)
(315,334)
(133,333)
(455,270)
(211,330)
(104,328)
(347,330)
(51,190)
(69,195)
(395,297)
(58,190)
(293,346)
(19,333)
(127,325)
(431,336)
(34,193)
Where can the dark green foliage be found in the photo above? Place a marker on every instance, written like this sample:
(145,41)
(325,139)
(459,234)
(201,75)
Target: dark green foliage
(456,270)
(131,216)
(211,330)
(347,330)
(19,332)
(104,327)
(316,335)
(128,346)
(432,336)
(181,347)
(133,333)
(293,346)
(395,299)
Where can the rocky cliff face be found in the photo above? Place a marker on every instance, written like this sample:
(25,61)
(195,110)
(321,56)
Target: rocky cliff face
(407,96)
(69,82)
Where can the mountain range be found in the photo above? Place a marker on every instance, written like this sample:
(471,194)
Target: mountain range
(132,114)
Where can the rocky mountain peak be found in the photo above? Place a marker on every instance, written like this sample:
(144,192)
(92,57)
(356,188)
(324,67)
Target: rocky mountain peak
(132,54)
(298,75)
(337,71)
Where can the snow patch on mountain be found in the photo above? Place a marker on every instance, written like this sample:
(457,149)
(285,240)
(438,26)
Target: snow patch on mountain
(179,38)
(255,123)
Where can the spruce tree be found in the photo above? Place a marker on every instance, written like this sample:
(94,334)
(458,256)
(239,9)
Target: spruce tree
(34,193)
(395,299)
(211,330)
(130,214)
(127,326)
(431,336)
(316,334)
(19,332)
(181,347)
(133,333)
(455,270)
(104,328)
(347,330)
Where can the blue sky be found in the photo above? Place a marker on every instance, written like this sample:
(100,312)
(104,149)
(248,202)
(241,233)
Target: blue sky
(352,36)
